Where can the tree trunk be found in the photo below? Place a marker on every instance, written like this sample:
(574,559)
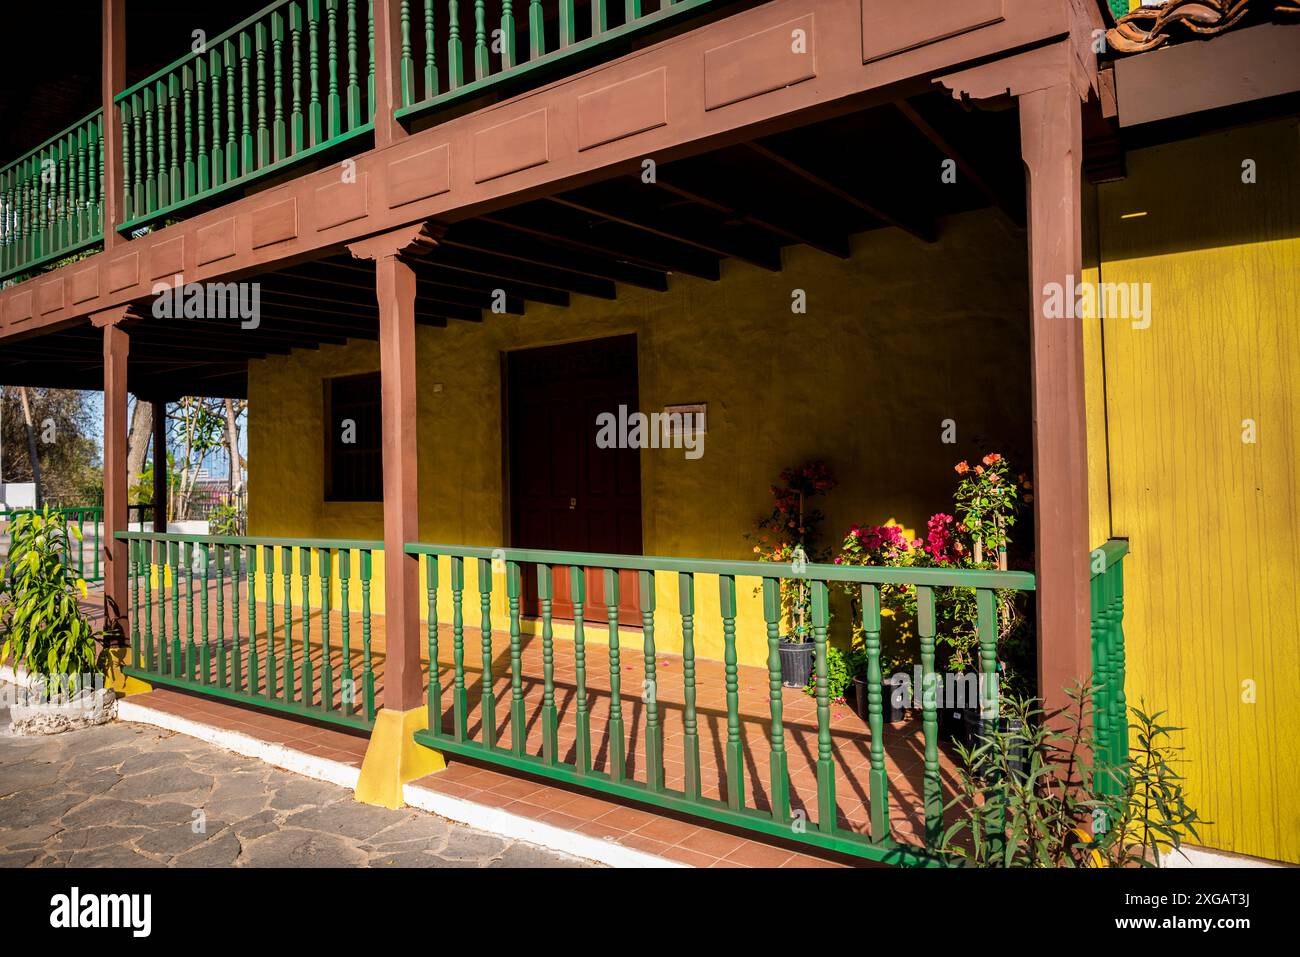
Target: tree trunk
(138,441)
(31,444)
(232,446)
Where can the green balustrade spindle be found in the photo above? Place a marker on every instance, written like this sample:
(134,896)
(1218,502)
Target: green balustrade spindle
(487,705)
(735,749)
(617,741)
(654,745)
(582,720)
(691,736)
(780,786)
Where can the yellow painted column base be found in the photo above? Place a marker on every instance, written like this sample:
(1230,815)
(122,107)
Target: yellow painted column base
(121,682)
(393,759)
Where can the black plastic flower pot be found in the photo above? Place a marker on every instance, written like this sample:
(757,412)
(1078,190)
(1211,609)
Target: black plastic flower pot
(1017,743)
(893,704)
(796,663)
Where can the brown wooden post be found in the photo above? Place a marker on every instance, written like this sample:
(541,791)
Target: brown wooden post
(112,81)
(395,289)
(160,465)
(116,346)
(1051,143)
(388,74)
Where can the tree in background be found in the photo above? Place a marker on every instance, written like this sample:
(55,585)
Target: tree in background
(198,428)
(64,423)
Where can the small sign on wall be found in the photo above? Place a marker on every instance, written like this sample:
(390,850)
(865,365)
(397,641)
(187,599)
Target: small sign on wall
(687,419)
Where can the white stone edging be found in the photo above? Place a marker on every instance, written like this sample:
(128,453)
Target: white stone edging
(494,820)
(311,766)
(521,828)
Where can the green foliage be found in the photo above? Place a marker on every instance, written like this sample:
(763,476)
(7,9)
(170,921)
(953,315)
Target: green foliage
(42,627)
(790,534)
(841,668)
(1058,810)
(225,519)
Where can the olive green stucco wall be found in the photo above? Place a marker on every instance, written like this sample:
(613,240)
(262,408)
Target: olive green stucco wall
(896,339)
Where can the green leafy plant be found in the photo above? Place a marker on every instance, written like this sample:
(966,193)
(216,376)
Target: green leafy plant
(841,668)
(1029,796)
(790,534)
(225,519)
(42,628)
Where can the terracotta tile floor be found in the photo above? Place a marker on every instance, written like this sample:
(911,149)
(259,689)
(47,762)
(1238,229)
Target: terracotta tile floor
(648,830)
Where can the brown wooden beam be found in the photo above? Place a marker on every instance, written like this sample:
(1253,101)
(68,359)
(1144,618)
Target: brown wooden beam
(395,291)
(116,482)
(478,237)
(681,226)
(568,230)
(724,197)
(921,227)
(1051,137)
(502,270)
(969,173)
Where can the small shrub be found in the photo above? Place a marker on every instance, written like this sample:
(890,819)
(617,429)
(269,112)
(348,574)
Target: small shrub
(42,628)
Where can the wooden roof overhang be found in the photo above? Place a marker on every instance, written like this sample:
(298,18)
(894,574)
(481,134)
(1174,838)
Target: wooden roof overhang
(757,142)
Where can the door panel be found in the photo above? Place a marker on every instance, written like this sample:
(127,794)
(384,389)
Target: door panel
(566,493)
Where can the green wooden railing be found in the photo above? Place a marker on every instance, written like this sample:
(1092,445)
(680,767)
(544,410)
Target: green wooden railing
(446,571)
(1109,707)
(88,521)
(51,199)
(312,659)
(454,48)
(290,82)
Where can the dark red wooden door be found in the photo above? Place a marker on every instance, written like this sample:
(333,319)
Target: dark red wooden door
(565,492)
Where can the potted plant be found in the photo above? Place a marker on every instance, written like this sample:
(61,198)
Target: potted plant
(841,669)
(789,535)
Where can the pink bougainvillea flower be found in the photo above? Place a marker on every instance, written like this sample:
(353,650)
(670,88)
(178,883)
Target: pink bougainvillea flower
(992,458)
(961,468)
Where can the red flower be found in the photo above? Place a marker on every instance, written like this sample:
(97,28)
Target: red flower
(961,468)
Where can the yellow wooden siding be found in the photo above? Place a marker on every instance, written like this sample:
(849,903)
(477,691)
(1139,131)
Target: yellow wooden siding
(1213,579)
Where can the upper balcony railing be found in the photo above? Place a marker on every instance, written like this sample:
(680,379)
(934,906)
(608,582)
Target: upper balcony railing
(499,45)
(292,82)
(277,88)
(51,199)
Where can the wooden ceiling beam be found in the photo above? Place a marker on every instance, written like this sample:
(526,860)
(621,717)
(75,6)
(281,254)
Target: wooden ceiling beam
(486,238)
(694,230)
(969,173)
(921,227)
(504,270)
(723,197)
(567,229)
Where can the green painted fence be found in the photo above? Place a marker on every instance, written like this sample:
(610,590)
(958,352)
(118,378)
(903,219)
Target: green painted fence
(450,49)
(447,572)
(1109,706)
(51,198)
(84,551)
(310,659)
(290,82)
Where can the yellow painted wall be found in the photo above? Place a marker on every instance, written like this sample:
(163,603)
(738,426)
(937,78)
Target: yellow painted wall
(1213,579)
(895,339)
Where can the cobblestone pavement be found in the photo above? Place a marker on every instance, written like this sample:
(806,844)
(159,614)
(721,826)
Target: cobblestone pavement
(131,795)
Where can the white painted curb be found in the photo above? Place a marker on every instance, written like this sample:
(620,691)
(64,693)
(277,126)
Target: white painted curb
(494,820)
(321,769)
(522,828)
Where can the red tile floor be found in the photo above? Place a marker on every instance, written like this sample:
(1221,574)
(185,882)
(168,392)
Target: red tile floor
(653,831)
